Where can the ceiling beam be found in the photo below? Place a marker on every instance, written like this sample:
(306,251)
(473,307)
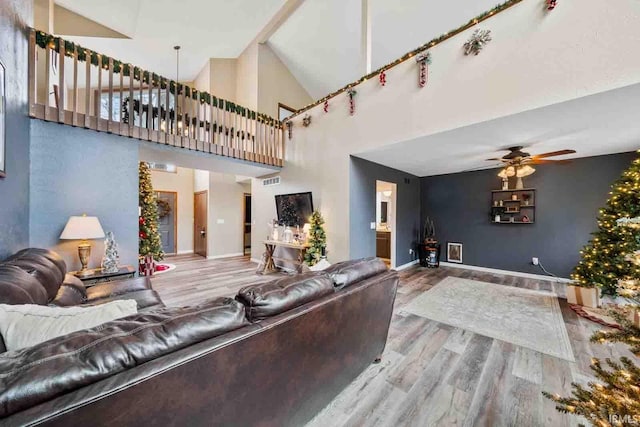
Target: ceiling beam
(281,16)
(365,38)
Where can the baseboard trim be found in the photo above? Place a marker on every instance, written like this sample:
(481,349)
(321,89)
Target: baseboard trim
(407,265)
(256,260)
(185,252)
(226,255)
(506,272)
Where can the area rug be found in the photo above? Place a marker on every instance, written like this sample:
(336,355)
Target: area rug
(164,267)
(524,317)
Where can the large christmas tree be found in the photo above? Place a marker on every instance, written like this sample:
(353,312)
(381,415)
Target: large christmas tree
(317,240)
(149,236)
(603,259)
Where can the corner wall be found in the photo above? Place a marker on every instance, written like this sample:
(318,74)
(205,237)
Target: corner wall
(226,216)
(15,18)
(568,198)
(75,171)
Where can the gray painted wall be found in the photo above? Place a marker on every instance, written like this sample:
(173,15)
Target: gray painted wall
(75,171)
(362,209)
(15,17)
(568,199)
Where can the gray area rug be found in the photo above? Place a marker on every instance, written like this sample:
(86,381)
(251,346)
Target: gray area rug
(524,317)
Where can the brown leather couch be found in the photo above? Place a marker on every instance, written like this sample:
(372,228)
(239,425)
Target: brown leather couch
(273,356)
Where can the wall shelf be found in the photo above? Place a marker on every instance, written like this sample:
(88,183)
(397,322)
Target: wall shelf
(509,204)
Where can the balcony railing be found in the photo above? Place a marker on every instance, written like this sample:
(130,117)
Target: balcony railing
(72,85)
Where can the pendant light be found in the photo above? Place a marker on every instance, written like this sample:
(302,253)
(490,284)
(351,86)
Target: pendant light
(177,110)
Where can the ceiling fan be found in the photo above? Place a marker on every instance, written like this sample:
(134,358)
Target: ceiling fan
(518,163)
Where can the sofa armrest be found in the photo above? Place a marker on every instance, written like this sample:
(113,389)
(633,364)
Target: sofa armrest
(117,287)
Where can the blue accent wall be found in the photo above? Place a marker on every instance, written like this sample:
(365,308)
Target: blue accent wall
(15,18)
(362,209)
(568,198)
(76,171)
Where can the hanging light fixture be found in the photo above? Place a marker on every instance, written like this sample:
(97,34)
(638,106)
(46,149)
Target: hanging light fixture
(507,172)
(387,193)
(521,172)
(175,103)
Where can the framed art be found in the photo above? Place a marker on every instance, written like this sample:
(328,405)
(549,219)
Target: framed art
(454,252)
(3,132)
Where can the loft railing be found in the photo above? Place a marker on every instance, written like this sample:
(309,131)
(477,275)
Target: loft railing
(72,85)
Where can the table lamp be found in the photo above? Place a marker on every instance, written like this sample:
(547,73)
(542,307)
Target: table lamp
(83,228)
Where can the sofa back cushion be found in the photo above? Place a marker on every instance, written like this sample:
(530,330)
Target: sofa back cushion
(346,273)
(20,287)
(36,374)
(271,298)
(72,292)
(47,266)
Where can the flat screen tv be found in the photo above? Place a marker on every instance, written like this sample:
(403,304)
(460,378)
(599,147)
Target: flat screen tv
(294,209)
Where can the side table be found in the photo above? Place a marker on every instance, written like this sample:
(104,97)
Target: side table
(97,276)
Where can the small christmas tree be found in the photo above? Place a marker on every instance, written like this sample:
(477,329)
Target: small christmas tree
(317,240)
(149,236)
(603,259)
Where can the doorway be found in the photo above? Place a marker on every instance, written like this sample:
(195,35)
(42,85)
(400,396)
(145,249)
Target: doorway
(386,194)
(246,242)
(168,220)
(200,214)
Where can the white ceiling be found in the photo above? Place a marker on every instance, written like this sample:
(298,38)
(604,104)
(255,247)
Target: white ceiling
(320,42)
(204,28)
(604,123)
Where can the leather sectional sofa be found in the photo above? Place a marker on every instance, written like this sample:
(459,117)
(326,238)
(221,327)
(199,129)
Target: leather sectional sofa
(274,355)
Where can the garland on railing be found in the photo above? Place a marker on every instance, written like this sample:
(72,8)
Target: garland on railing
(497,9)
(161,113)
(45,40)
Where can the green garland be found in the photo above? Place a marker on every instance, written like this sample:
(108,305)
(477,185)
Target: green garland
(45,40)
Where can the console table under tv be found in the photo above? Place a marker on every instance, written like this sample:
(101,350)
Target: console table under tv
(270,259)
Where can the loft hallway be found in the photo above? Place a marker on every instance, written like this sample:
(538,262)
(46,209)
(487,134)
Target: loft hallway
(74,86)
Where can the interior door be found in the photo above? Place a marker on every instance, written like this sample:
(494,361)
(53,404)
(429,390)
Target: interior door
(167,220)
(200,200)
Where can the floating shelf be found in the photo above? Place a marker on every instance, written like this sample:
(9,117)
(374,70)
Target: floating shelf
(512,222)
(511,208)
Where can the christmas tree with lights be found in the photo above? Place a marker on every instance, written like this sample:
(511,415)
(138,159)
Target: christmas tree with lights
(317,240)
(149,242)
(603,259)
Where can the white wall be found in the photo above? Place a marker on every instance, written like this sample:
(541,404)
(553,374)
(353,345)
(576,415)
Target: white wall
(535,59)
(182,183)
(226,215)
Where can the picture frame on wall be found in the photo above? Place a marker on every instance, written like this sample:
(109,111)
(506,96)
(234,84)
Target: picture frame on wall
(454,252)
(3,132)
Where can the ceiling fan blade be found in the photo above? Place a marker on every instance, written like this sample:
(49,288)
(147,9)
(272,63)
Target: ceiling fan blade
(553,153)
(493,160)
(535,161)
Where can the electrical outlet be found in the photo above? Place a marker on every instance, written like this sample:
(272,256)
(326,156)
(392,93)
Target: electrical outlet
(410,251)
(373,225)
(535,261)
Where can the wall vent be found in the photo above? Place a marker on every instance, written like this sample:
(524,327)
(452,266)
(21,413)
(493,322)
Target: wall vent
(271,181)
(162,167)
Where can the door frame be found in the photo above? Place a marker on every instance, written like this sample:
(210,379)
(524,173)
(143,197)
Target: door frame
(195,233)
(175,221)
(244,209)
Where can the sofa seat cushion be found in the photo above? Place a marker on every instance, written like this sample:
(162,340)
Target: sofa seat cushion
(271,298)
(145,299)
(19,287)
(26,325)
(346,273)
(36,374)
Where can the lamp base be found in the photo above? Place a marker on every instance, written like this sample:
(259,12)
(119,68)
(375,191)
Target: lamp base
(84,253)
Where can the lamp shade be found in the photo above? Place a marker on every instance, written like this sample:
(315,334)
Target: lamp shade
(82,228)
(525,170)
(507,172)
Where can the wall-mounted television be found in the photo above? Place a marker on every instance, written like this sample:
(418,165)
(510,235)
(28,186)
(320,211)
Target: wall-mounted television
(294,209)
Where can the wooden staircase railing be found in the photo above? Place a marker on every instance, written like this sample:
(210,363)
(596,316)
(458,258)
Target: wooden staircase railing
(125,100)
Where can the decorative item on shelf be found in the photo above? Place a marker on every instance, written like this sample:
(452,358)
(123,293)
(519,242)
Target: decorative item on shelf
(111,258)
(495,203)
(551,4)
(287,235)
(497,218)
(325,107)
(317,240)
(477,42)
(382,77)
(526,198)
(306,229)
(352,101)
(424,60)
(429,231)
(525,219)
(512,209)
(501,203)
(512,219)
(521,172)
(83,228)
(306,120)
(514,197)
(275,232)
(454,252)
(289,126)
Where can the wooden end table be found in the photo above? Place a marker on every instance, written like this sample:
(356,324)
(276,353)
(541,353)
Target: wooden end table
(270,249)
(97,276)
